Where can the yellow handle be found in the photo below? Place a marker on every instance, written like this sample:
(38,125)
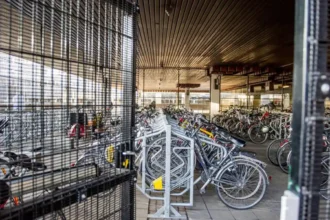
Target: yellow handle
(207,132)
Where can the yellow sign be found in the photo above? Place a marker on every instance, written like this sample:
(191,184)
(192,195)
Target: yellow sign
(158,183)
(3,171)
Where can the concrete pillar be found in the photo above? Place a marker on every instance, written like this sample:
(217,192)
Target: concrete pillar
(139,101)
(256,100)
(286,101)
(214,95)
(187,98)
(158,98)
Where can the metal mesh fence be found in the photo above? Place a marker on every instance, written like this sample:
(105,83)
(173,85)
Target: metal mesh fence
(67,97)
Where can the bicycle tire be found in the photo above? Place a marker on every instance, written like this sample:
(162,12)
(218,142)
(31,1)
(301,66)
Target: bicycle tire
(263,139)
(221,177)
(272,151)
(243,131)
(282,158)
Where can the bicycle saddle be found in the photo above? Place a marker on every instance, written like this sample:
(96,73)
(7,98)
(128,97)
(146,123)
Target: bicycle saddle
(36,149)
(237,141)
(223,141)
(35,166)
(220,128)
(10,155)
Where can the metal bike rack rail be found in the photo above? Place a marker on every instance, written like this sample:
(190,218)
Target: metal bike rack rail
(171,131)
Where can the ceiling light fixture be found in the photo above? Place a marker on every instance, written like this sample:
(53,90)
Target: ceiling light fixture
(169,8)
(286,86)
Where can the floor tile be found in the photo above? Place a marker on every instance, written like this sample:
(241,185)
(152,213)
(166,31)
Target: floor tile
(243,215)
(141,213)
(200,205)
(213,202)
(221,215)
(198,214)
(266,215)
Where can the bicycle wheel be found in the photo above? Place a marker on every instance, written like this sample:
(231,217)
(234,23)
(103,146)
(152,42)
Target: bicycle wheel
(216,119)
(243,132)
(282,156)
(241,184)
(272,151)
(232,126)
(256,135)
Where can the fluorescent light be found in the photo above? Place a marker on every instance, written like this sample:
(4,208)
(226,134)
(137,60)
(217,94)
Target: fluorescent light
(286,86)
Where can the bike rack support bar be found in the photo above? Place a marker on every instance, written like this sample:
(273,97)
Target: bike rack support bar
(144,165)
(147,195)
(167,194)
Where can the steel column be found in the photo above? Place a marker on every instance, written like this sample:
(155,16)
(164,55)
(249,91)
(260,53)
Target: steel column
(219,86)
(247,91)
(144,79)
(178,92)
(282,92)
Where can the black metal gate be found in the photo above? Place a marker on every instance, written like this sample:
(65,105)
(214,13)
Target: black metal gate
(309,174)
(67,98)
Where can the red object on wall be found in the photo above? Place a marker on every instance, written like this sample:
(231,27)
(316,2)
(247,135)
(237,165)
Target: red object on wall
(73,130)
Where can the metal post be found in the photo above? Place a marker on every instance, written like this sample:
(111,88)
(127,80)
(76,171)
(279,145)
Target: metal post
(282,91)
(247,91)
(178,92)
(210,79)
(167,194)
(144,79)
(131,194)
(219,86)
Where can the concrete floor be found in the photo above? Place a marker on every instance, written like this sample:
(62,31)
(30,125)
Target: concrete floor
(208,205)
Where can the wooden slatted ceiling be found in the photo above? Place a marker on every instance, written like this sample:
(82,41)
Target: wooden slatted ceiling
(199,33)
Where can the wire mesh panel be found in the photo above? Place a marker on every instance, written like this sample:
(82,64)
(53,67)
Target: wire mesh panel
(67,88)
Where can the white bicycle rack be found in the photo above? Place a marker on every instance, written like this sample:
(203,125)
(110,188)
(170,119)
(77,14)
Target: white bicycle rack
(167,154)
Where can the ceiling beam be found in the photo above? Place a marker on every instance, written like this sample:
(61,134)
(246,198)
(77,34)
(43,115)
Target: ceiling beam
(226,69)
(286,77)
(175,90)
(172,67)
